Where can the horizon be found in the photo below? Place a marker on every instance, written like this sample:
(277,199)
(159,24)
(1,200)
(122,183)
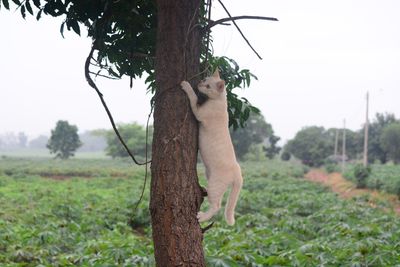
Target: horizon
(319,61)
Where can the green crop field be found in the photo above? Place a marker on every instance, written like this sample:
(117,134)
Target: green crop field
(383,177)
(80,212)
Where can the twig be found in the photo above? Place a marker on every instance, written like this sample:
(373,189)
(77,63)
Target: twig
(104,76)
(93,85)
(239,30)
(222,21)
(203,230)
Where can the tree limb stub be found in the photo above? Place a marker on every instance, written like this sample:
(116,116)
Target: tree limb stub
(222,21)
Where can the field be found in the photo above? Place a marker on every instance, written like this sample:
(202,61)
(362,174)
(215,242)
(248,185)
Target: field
(383,177)
(80,213)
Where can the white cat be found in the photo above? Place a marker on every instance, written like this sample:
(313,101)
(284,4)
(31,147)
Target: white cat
(216,149)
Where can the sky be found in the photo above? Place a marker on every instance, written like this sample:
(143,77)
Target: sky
(319,61)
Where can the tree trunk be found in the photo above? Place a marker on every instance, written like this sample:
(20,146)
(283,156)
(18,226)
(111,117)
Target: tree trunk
(176,196)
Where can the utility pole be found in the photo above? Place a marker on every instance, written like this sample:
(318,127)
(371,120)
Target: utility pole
(344,146)
(365,158)
(336,143)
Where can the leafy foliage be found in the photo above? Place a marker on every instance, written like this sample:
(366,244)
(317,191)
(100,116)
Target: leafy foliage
(272,149)
(135,137)
(239,108)
(73,221)
(390,140)
(382,177)
(375,150)
(285,156)
(314,144)
(64,140)
(255,154)
(256,131)
(361,174)
(354,141)
(311,145)
(124,37)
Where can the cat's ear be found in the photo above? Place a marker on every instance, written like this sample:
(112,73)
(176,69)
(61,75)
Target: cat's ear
(221,86)
(216,74)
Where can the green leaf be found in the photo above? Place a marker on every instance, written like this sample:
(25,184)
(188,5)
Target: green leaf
(6,4)
(245,100)
(216,262)
(28,7)
(75,26)
(254,109)
(62,29)
(254,76)
(39,14)
(246,113)
(23,13)
(248,79)
(113,73)
(17,2)
(36,3)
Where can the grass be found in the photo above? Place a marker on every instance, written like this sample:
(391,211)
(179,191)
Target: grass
(88,220)
(44,153)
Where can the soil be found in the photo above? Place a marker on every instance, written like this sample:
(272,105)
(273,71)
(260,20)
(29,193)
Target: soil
(347,189)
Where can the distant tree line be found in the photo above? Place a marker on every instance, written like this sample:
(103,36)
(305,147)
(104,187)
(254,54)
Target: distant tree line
(11,141)
(255,141)
(315,145)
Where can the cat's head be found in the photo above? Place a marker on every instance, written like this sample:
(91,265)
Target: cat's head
(213,87)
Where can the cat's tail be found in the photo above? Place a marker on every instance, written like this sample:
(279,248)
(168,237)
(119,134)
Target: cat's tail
(232,199)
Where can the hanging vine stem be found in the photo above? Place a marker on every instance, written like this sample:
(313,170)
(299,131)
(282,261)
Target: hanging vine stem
(94,86)
(208,34)
(146,157)
(110,117)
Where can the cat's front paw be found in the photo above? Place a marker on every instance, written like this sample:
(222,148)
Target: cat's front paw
(185,86)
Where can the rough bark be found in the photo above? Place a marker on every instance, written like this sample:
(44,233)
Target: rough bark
(175,194)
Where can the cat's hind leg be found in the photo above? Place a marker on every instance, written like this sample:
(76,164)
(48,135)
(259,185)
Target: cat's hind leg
(215,193)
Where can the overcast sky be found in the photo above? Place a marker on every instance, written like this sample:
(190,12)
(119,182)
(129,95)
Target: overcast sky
(319,61)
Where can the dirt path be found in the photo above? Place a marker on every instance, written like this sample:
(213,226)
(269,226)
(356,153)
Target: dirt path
(347,189)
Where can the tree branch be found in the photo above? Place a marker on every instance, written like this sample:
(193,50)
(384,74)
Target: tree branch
(237,27)
(222,21)
(93,85)
(203,230)
(104,76)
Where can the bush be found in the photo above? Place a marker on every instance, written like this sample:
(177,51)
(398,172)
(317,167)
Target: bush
(311,145)
(361,174)
(397,189)
(285,156)
(255,153)
(331,167)
(376,184)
